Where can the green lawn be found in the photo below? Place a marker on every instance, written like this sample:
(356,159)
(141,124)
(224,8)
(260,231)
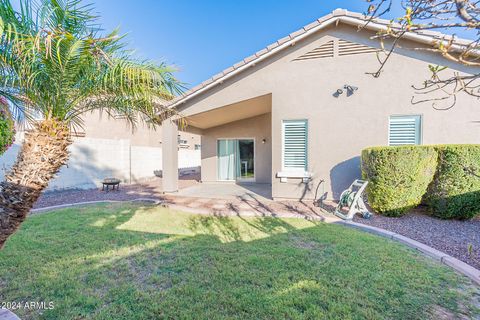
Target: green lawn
(133,261)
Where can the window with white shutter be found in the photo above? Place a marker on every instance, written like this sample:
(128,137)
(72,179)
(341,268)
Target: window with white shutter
(404,130)
(294,145)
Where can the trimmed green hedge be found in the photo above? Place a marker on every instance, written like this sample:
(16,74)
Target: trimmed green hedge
(398,177)
(455,190)
(445,177)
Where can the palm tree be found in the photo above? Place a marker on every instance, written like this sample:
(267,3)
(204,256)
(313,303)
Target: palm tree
(56,63)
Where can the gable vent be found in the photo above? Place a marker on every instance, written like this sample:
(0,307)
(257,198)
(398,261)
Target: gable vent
(324,51)
(346,48)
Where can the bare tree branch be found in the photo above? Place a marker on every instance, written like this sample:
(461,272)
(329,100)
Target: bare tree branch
(420,17)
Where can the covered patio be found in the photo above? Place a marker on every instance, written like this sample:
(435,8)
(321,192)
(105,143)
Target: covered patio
(236,149)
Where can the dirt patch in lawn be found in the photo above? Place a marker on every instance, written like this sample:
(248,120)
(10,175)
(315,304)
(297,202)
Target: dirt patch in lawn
(302,243)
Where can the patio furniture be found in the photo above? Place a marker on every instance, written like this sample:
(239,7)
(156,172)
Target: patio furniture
(353,200)
(113,182)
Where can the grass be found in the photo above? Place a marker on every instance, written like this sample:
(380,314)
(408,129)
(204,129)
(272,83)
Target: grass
(132,261)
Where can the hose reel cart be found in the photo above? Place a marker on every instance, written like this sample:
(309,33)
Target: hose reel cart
(352,198)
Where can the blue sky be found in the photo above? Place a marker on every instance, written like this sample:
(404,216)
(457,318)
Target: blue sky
(204,37)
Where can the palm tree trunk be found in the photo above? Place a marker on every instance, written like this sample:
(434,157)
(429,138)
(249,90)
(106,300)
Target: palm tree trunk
(43,153)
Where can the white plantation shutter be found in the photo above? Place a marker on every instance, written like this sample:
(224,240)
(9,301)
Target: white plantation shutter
(295,145)
(404,130)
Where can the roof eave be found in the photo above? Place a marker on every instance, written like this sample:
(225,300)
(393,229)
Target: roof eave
(260,58)
(335,17)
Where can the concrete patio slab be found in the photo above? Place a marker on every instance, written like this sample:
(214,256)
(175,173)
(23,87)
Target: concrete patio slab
(229,191)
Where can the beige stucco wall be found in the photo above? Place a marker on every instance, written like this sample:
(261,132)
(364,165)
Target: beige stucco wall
(101,126)
(257,128)
(339,128)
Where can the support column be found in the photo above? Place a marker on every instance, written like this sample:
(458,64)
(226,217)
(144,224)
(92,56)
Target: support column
(170,155)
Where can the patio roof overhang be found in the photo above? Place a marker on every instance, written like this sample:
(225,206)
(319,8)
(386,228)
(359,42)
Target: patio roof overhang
(232,112)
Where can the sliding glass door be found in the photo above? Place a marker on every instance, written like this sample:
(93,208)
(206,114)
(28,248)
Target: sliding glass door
(226,159)
(236,159)
(246,160)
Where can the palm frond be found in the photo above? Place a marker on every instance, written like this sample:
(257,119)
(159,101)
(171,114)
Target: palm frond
(55,61)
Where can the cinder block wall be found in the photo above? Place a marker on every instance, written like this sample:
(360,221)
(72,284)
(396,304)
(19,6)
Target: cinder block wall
(92,159)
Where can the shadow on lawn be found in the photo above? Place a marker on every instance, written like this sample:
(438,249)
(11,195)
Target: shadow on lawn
(91,268)
(215,225)
(224,227)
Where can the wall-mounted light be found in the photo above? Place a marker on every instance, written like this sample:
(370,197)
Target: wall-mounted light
(338,93)
(350,89)
(264,140)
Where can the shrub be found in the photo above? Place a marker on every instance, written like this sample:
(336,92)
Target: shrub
(398,177)
(455,190)
(7,128)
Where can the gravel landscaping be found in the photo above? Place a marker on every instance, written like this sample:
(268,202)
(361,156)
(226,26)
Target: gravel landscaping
(54,198)
(147,189)
(460,239)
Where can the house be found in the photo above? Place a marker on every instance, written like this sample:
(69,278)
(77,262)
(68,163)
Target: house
(107,147)
(296,115)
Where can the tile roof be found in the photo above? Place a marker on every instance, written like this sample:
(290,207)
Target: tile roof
(342,15)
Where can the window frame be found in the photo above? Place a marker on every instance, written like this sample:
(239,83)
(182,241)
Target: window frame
(290,169)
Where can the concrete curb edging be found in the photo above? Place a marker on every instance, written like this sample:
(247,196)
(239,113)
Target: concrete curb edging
(440,256)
